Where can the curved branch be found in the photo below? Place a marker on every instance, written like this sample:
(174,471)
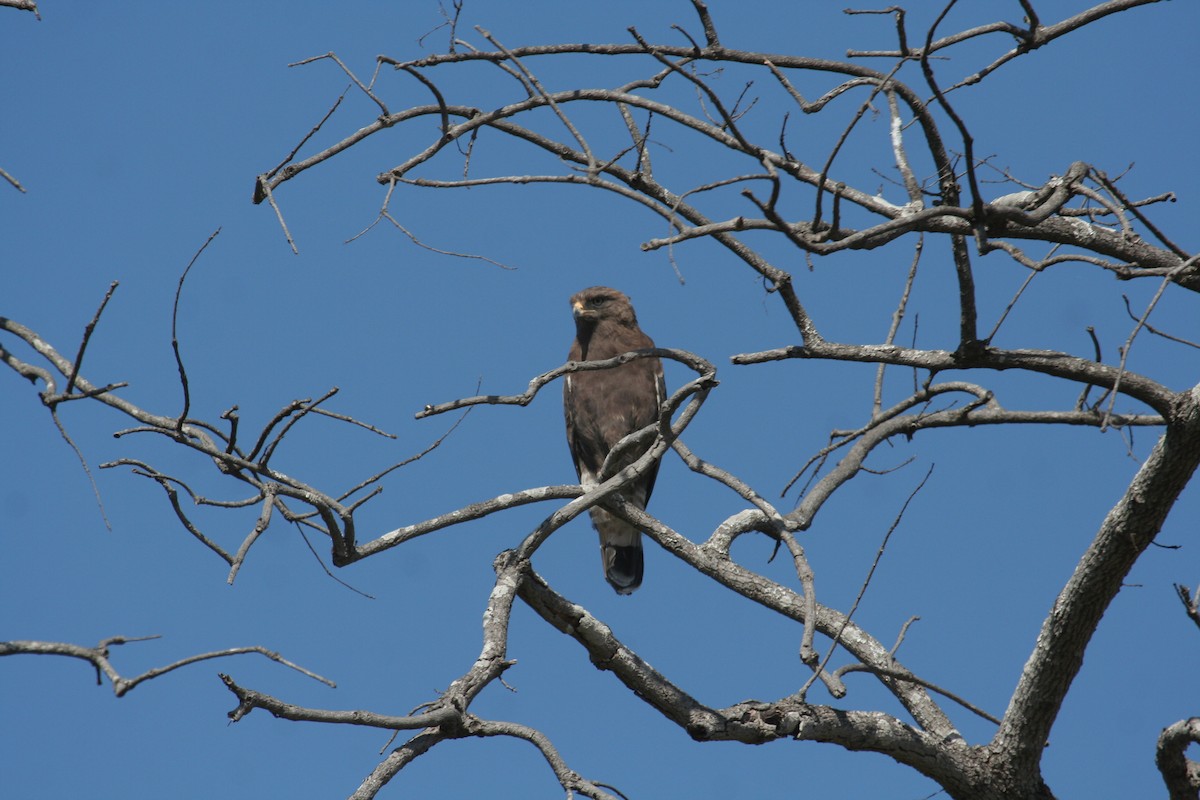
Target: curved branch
(1179,773)
(751,722)
(981,410)
(23,5)
(570,780)
(933,687)
(712,559)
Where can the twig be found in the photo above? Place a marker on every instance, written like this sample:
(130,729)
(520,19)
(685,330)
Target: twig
(447,21)
(1191,605)
(1098,355)
(897,318)
(908,676)
(706,21)
(1162,287)
(1156,331)
(260,525)
(324,568)
(740,487)
(383,109)
(417,457)
(730,122)
(301,410)
(532,80)
(261,185)
(900,636)
(270,196)
(62,430)
(876,88)
(1125,203)
(413,238)
(166,481)
(87,335)
(16,184)
(866,582)
(280,415)
(183,379)
(1011,305)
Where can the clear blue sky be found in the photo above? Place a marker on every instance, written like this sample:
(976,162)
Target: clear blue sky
(138,129)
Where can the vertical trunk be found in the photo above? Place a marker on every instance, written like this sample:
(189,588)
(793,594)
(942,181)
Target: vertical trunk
(1126,532)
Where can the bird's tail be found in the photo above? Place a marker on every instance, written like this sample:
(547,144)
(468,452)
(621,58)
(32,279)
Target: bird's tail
(620,551)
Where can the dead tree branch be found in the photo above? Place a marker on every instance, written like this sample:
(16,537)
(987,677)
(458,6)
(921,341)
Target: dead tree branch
(1180,773)
(99,658)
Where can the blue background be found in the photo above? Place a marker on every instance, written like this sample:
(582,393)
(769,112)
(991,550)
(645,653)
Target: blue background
(138,129)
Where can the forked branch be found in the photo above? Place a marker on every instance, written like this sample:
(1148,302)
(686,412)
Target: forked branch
(99,657)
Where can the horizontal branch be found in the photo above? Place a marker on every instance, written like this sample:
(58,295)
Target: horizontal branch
(1046,362)
(701,366)
(1137,257)
(1028,39)
(98,657)
(467,513)
(248,700)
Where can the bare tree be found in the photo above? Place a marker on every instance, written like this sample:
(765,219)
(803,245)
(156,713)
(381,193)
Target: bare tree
(755,186)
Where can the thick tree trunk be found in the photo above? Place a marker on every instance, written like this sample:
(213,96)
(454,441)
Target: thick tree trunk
(1127,530)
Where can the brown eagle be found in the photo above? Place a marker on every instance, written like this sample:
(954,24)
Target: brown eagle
(602,407)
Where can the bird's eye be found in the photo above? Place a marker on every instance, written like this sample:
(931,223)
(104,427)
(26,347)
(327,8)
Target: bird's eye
(596,302)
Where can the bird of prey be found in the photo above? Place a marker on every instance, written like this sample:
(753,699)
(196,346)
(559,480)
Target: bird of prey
(603,406)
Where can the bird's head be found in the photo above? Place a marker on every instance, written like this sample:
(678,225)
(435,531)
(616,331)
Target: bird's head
(599,304)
